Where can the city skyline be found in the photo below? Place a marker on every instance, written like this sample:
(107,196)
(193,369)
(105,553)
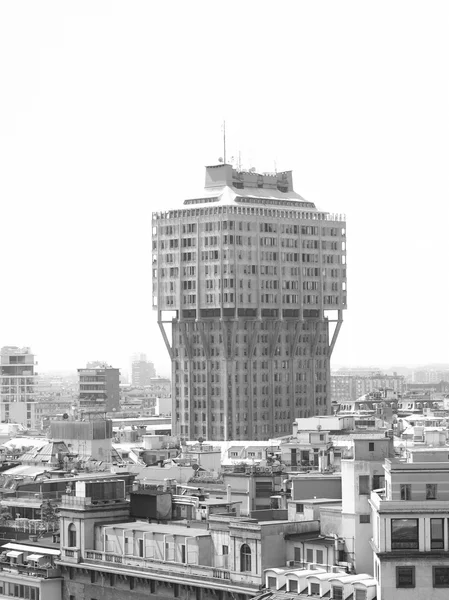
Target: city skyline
(96,136)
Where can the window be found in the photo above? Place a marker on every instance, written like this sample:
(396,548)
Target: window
(378,482)
(371,446)
(365,519)
(271,582)
(245,558)
(437,534)
(337,592)
(225,550)
(363,485)
(297,555)
(315,589)
(406,491)
(405,577)
(431,491)
(404,534)
(309,552)
(440,577)
(300,508)
(72,536)
(292,585)
(360,595)
(319,557)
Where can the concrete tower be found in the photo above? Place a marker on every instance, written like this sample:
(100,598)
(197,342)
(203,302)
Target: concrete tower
(244,277)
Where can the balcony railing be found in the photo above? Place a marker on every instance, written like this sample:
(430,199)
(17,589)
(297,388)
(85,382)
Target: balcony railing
(165,567)
(30,570)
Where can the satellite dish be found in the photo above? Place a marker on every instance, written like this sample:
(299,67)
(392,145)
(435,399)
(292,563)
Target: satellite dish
(220,160)
(252,170)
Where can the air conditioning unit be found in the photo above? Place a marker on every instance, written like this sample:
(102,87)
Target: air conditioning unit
(337,569)
(290,563)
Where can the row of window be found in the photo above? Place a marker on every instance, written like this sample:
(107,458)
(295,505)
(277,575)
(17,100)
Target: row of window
(406,491)
(405,534)
(405,577)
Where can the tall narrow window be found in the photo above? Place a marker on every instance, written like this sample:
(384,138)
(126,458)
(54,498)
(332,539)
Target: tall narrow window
(245,558)
(431,491)
(364,485)
(406,491)
(437,534)
(72,536)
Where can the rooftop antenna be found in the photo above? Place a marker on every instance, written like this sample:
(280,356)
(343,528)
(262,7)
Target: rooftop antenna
(224,142)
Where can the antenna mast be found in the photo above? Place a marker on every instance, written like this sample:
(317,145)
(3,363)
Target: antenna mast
(224,142)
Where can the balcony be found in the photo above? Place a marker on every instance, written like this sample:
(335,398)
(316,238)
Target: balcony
(29,570)
(168,568)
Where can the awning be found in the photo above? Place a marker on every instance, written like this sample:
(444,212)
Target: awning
(14,554)
(28,548)
(35,556)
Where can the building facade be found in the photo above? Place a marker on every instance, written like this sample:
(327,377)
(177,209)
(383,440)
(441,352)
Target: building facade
(142,373)
(350,387)
(410,530)
(99,388)
(244,277)
(17,386)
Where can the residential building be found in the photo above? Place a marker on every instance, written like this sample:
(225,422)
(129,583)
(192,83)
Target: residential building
(142,373)
(99,388)
(17,386)
(247,277)
(350,386)
(29,571)
(410,525)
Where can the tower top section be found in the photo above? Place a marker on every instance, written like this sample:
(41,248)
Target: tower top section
(226,185)
(227,175)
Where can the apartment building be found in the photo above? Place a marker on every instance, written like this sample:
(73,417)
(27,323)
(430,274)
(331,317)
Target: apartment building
(346,386)
(410,529)
(17,386)
(99,388)
(247,277)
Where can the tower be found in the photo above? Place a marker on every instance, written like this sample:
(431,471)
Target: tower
(244,275)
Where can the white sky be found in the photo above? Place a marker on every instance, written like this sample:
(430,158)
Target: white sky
(110,110)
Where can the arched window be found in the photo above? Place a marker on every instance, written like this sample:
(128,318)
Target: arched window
(72,536)
(245,558)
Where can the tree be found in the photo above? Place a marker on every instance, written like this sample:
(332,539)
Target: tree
(49,514)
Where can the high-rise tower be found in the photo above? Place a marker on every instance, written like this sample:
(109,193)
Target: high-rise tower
(243,278)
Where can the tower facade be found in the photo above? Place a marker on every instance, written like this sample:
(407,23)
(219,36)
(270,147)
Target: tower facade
(243,278)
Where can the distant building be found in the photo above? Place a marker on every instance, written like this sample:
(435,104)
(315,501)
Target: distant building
(352,386)
(142,373)
(17,386)
(247,277)
(99,388)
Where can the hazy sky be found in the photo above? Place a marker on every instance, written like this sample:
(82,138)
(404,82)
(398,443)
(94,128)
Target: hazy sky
(111,110)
